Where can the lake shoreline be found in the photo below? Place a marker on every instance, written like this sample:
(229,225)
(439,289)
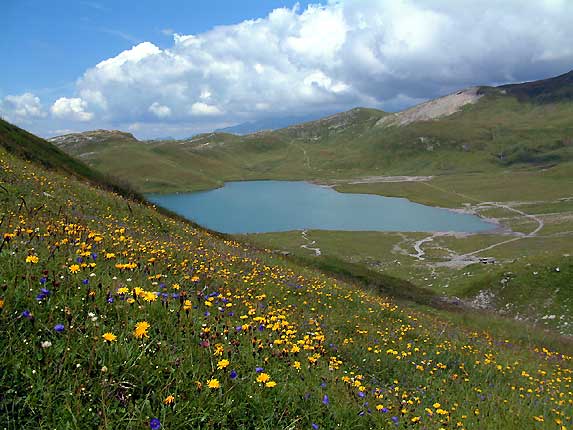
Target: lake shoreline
(341,211)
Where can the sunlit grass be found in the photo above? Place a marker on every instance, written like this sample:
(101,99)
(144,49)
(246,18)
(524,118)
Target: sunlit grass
(115,316)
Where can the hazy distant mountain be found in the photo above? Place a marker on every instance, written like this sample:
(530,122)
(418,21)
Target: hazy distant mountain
(270,124)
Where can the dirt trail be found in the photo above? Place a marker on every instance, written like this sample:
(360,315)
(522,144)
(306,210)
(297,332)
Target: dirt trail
(418,247)
(458,260)
(540,225)
(309,243)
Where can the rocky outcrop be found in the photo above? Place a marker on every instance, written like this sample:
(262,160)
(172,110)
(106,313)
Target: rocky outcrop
(433,109)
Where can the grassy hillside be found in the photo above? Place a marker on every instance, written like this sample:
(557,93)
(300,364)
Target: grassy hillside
(115,316)
(30,147)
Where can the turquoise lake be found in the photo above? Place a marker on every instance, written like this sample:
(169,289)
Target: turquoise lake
(272,206)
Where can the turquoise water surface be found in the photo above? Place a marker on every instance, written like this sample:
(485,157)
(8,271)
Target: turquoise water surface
(271,206)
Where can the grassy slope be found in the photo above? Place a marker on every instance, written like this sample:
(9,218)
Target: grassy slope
(364,361)
(30,147)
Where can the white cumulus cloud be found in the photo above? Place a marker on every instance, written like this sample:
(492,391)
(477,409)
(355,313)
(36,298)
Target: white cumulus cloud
(204,109)
(72,109)
(22,107)
(160,111)
(335,56)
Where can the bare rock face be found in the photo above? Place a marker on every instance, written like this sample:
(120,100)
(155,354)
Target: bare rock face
(433,109)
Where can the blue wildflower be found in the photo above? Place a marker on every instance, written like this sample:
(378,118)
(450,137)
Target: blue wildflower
(154,424)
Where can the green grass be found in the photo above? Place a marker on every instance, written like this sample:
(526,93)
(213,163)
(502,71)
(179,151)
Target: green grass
(364,358)
(33,148)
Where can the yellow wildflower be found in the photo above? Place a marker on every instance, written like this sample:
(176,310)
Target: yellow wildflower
(141,329)
(148,296)
(74,268)
(168,400)
(222,364)
(213,384)
(109,337)
(32,259)
(263,377)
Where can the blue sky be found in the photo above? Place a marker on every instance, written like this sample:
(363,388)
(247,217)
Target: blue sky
(47,45)
(177,68)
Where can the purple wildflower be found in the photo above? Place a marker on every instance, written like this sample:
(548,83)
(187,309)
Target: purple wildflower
(233,374)
(154,424)
(43,294)
(325,400)
(59,328)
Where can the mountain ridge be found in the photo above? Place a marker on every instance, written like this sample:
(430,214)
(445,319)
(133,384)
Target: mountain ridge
(476,129)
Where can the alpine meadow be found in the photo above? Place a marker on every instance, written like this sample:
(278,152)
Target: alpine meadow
(190,238)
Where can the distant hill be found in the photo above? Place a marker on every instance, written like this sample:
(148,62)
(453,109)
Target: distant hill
(268,124)
(552,90)
(478,129)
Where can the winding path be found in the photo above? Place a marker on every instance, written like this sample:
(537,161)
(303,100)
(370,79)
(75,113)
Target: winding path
(468,256)
(308,245)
